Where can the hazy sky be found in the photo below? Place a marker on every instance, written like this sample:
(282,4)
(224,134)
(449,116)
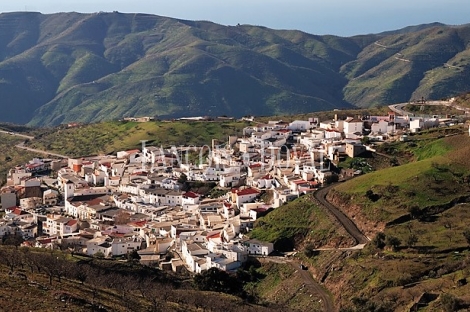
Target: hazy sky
(338,17)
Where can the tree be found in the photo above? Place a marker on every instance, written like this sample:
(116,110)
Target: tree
(15,239)
(466,234)
(122,217)
(392,242)
(414,212)
(412,240)
(156,293)
(99,255)
(133,256)
(449,302)
(182,178)
(310,250)
(379,240)
(365,140)
(11,258)
(219,281)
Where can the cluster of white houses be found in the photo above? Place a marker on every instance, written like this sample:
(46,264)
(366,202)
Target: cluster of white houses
(135,200)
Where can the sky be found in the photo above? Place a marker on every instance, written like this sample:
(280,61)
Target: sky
(320,17)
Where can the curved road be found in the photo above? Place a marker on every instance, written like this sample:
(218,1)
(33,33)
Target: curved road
(22,146)
(347,223)
(309,281)
(398,108)
(315,287)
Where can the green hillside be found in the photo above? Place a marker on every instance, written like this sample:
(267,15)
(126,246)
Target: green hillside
(66,67)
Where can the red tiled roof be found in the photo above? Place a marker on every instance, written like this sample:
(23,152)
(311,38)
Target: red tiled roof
(191,194)
(255,166)
(19,211)
(72,222)
(213,235)
(139,223)
(133,151)
(44,241)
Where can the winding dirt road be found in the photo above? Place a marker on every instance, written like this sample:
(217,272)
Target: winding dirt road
(315,287)
(28,137)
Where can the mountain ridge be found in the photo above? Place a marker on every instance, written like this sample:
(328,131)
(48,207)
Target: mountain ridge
(66,67)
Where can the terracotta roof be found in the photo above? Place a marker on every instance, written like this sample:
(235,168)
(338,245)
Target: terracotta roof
(72,222)
(133,151)
(267,177)
(138,223)
(191,195)
(18,211)
(213,235)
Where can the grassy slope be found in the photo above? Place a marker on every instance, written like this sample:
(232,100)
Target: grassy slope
(435,178)
(115,136)
(282,287)
(436,175)
(297,223)
(11,156)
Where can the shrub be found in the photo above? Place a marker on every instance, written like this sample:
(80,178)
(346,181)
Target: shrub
(379,240)
(392,242)
(449,302)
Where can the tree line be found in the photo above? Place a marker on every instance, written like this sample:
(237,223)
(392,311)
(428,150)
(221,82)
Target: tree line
(133,287)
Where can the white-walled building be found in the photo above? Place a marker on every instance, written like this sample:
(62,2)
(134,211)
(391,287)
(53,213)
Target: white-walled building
(256,247)
(353,126)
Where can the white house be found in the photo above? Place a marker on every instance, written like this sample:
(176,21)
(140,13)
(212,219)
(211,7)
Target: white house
(190,198)
(56,225)
(382,126)
(125,245)
(256,247)
(244,196)
(300,125)
(99,244)
(265,181)
(352,126)
(191,252)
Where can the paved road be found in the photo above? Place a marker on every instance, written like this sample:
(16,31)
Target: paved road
(347,223)
(398,108)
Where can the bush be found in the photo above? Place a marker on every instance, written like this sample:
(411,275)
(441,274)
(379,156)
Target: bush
(379,240)
(310,250)
(99,255)
(449,302)
(392,242)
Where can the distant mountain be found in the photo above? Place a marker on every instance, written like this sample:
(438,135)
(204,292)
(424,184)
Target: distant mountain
(410,29)
(90,67)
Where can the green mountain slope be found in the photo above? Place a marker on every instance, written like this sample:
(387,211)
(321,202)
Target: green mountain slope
(68,67)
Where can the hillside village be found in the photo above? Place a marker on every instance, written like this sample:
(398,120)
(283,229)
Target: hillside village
(145,200)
